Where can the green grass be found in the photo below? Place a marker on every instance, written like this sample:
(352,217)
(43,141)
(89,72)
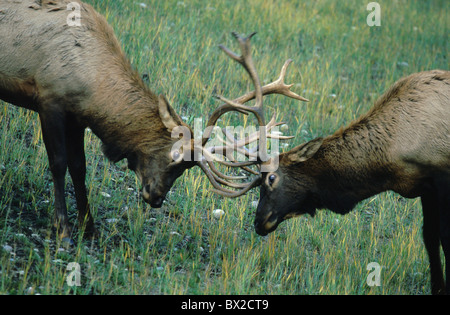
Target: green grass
(341,64)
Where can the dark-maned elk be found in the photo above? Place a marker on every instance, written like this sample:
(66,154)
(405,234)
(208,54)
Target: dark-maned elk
(402,144)
(75,75)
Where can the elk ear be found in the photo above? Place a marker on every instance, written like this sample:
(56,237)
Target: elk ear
(167,114)
(304,151)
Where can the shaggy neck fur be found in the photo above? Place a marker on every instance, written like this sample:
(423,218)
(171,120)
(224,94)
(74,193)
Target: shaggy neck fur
(355,170)
(399,145)
(128,121)
(350,166)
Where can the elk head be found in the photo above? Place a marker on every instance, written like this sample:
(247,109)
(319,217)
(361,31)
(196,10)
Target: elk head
(283,196)
(170,161)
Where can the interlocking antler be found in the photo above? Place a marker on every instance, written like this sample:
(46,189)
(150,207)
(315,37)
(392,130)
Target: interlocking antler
(231,144)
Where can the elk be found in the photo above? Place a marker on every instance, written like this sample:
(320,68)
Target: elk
(402,144)
(76,77)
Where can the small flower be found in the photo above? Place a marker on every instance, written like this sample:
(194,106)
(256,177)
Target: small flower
(218,213)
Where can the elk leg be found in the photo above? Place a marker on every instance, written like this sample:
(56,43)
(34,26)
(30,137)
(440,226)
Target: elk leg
(430,208)
(77,168)
(52,124)
(443,187)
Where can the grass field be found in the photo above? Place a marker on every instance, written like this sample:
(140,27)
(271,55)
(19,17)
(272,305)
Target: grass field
(340,63)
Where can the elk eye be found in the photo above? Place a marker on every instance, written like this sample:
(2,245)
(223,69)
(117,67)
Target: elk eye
(272,179)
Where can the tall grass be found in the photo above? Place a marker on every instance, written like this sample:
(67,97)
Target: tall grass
(341,64)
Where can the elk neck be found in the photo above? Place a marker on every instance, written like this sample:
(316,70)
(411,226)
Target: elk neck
(352,165)
(399,145)
(124,115)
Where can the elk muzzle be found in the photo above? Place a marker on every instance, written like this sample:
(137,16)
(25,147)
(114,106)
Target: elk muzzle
(266,224)
(154,199)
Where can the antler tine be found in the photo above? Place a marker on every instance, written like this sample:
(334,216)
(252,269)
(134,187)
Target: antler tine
(221,175)
(218,177)
(210,156)
(246,60)
(245,48)
(224,191)
(233,194)
(238,145)
(279,87)
(246,152)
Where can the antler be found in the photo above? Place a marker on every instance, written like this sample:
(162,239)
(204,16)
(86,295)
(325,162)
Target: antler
(276,87)
(231,144)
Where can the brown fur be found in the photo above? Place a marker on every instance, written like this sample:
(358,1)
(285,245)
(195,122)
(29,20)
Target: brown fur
(401,144)
(77,77)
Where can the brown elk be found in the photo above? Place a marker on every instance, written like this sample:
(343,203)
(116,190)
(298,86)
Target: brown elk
(402,144)
(76,77)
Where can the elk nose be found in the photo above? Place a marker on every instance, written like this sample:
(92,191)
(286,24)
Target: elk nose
(259,228)
(157,202)
(154,199)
